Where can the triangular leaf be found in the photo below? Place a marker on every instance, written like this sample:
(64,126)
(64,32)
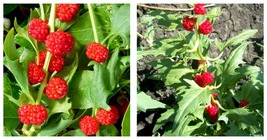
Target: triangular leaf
(145,102)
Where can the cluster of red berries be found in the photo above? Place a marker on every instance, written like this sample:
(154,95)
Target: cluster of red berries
(204,79)
(212,109)
(90,125)
(58,43)
(205,27)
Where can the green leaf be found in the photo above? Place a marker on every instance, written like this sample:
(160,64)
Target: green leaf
(79,88)
(60,106)
(234,59)
(26,56)
(109,130)
(112,69)
(125,126)
(244,35)
(9,8)
(191,99)
(10,47)
(234,131)
(77,132)
(145,102)
(214,12)
(163,119)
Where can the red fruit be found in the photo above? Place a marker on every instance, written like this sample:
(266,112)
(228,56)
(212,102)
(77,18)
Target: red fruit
(107,117)
(214,95)
(38,29)
(200,9)
(32,114)
(56,88)
(59,42)
(204,79)
(56,62)
(188,23)
(243,103)
(97,52)
(35,74)
(88,125)
(212,110)
(66,12)
(205,28)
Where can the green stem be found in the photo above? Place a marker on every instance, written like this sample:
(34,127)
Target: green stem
(42,11)
(203,59)
(45,69)
(52,18)
(92,18)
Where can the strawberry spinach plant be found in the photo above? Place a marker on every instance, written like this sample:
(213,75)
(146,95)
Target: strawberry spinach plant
(67,70)
(218,97)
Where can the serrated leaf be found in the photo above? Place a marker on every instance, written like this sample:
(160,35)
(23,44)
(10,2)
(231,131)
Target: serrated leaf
(234,131)
(163,119)
(125,126)
(10,47)
(145,102)
(244,35)
(191,100)
(79,88)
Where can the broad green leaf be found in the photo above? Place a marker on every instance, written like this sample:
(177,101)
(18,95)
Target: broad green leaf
(234,59)
(60,106)
(10,47)
(26,56)
(77,132)
(109,130)
(79,88)
(98,91)
(191,99)
(145,102)
(195,130)
(243,36)
(234,131)
(164,118)
(125,126)
(214,12)
(112,69)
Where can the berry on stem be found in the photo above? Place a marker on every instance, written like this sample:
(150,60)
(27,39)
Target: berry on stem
(205,28)
(107,117)
(200,9)
(212,110)
(56,63)
(32,114)
(204,79)
(66,12)
(97,52)
(89,125)
(38,29)
(35,73)
(56,88)
(59,42)
(188,23)
(243,103)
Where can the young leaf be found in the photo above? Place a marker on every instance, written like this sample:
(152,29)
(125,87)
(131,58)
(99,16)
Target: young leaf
(125,126)
(10,47)
(145,102)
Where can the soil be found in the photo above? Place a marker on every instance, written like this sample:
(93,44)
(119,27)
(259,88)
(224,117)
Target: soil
(234,19)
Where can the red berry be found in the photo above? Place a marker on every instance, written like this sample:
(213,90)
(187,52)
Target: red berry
(200,9)
(66,12)
(205,28)
(38,29)
(88,125)
(204,79)
(56,88)
(212,110)
(59,42)
(56,62)
(188,23)
(32,114)
(35,73)
(243,103)
(97,52)
(214,95)
(107,117)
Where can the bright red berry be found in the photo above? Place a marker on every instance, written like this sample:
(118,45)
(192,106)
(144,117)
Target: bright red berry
(38,29)
(88,125)
(66,12)
(59,42)
(56,88)
(214,95)
(200,9)
(204,79)
(205,28)
(243,103)
(212,110)
(97,52)
(188,23)
(32,114)
(56,62)
(107,117)
(35,73)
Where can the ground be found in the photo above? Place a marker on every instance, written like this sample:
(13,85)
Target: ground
(234,19)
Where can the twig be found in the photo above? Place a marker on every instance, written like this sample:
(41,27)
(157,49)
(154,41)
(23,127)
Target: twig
(171,9)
